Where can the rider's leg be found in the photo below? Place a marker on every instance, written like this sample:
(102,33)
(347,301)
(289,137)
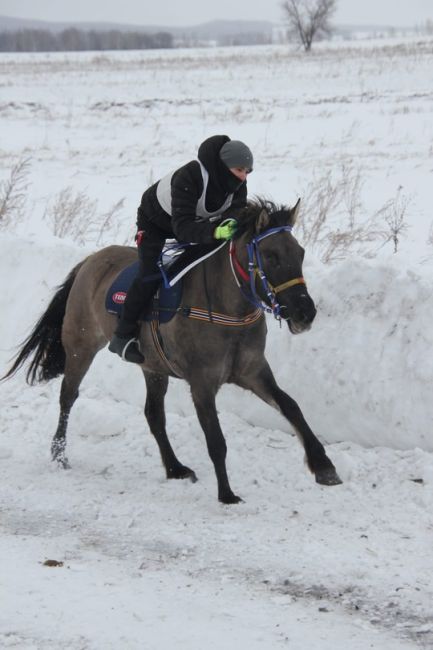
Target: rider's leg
(139,295)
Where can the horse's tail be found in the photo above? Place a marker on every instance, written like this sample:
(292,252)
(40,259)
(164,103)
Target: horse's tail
(44,343)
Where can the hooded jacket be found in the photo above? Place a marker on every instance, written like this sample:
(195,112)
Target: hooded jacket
(190,202)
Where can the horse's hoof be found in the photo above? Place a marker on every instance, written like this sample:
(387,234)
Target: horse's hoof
(62,462)
(328,477)
(230,499)
(58,456)
(182,472)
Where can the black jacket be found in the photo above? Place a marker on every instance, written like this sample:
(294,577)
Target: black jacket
(186,190)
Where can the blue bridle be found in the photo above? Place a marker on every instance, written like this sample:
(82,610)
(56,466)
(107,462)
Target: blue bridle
(255,267)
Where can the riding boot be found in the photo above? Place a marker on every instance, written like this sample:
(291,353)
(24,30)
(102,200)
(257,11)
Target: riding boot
(125,342)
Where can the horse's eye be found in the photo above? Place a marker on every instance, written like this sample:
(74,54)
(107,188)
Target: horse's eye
(272,259)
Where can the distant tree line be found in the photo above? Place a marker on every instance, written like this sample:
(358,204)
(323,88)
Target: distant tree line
(246,38)
(40,40)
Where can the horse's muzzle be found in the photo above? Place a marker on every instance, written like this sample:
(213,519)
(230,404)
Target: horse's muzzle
(300,313)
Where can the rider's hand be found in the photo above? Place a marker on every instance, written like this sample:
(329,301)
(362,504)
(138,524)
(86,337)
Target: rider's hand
(226,229)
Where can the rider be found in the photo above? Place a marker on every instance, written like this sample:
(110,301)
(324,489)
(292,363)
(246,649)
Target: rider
(191,205)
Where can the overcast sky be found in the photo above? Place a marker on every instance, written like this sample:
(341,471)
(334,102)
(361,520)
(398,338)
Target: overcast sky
(191,12)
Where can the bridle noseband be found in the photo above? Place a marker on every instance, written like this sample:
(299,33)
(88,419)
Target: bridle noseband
(255,268)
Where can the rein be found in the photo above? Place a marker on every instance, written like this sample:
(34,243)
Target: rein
(255,269)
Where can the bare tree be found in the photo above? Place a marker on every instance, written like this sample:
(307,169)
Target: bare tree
(309,19)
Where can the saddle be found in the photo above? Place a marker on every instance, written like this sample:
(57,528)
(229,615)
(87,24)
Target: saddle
(176,261)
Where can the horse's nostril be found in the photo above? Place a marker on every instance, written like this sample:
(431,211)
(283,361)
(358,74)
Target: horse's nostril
(308,314)
(301,310)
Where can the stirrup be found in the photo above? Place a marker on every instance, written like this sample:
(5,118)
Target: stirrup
(128,349)
(135,349)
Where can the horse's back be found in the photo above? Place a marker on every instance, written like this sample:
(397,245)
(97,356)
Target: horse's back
(101,267)
(86,301)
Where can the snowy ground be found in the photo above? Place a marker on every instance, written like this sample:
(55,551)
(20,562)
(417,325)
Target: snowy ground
(149,563)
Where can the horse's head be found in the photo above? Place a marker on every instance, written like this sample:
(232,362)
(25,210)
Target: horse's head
(277,258)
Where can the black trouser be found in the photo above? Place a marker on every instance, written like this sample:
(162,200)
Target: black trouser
(143,288)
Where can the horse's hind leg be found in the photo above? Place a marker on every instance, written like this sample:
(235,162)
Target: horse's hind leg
(155,414)
(76,365)
(263,384)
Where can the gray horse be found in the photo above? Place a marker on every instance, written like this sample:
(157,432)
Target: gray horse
(217,336)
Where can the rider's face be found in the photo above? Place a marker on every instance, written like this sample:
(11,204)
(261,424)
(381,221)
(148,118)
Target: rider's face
(240,172)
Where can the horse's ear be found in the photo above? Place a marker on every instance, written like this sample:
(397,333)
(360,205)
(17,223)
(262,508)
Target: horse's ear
(295,212)
(263,221)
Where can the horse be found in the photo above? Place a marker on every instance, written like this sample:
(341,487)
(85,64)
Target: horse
(259,271)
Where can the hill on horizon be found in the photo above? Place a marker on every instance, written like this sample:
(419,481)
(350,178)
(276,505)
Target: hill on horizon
(209,29)
(213,26)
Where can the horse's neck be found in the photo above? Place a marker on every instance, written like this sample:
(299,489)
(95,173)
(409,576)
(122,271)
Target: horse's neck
(220,283)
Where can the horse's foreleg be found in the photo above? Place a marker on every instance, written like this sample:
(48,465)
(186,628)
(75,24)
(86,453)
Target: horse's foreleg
(204,401)
(155,414)
(263,385)
(76,366)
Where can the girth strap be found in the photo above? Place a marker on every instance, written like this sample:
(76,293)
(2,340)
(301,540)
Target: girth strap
(223,319)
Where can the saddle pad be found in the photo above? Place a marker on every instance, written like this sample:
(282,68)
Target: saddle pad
(164,305)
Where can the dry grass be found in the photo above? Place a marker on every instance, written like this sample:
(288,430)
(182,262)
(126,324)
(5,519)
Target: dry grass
(331,199)
(394,213)
(13,194)
(75,215)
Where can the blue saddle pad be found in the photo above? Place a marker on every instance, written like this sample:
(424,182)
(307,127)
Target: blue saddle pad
(165,303)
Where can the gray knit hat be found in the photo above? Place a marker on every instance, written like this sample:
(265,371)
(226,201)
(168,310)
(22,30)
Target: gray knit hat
(235,153)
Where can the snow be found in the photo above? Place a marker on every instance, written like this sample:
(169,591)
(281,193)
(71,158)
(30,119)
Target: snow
(148,563)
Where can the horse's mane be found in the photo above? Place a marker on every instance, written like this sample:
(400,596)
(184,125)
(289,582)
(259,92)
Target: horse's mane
(279,215)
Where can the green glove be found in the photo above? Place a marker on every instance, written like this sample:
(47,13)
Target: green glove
(226,229)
